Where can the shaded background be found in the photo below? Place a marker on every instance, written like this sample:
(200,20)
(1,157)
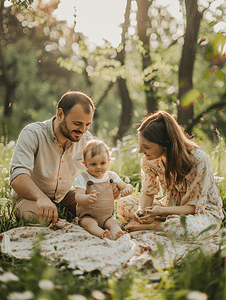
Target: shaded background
(169,55)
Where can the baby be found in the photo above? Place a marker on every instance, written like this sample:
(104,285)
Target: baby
(94,192)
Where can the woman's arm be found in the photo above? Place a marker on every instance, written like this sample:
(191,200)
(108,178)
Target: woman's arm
(165,211)
(145,201)
(84,199)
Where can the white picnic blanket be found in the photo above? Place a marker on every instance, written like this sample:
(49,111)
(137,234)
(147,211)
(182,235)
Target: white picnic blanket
(86,252)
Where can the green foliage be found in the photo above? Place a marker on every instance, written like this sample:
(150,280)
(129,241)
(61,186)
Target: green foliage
(38,278)
(196,273)
(41,279)
(191,97)
(216,46)
(126,160)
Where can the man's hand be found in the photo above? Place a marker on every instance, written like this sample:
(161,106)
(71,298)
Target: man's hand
(47,211)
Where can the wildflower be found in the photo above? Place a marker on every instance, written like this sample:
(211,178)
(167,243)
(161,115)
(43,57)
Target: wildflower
(76,297)
(11,144)
(218,179)
(133,150)
(98,295)
(195,295)
(4,171)
(7,179)
(4,200)
(45,284)
(77,272)
(8,276)
(127,180)
(21,296)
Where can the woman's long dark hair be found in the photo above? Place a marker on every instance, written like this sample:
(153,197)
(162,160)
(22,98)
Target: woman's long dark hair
(161,128)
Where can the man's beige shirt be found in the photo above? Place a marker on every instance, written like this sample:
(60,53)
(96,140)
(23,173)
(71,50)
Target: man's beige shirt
(41,156)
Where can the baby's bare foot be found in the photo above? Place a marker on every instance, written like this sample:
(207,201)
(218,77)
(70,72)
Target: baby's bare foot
(106,234)
(119,234)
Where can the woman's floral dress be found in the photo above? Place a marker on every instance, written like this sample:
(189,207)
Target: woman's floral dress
(198,188)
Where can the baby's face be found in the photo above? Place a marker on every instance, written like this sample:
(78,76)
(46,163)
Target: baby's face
(97,165)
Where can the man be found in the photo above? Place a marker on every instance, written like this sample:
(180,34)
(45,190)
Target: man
(47,158)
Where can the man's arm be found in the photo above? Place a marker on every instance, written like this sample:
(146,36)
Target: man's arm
(25,187)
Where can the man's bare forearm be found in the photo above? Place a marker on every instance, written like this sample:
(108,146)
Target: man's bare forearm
(25,187)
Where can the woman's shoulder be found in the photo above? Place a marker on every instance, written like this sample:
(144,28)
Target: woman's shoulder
(198,155)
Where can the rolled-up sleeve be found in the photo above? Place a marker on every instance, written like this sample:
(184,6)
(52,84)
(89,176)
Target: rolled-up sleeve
(199,180)
(150,181)
(24,153)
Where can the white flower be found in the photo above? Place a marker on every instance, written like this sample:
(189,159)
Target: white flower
(77,272)
(4,171)
(6,179)
(21,296)
(11,144)
(127,180)
(4,200)
(45,284)
(76,297)
(218,179)
(8,276)
(98,295)
(195,295)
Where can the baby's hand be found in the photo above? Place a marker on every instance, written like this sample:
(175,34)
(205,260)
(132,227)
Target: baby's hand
(127,190)
(93,196)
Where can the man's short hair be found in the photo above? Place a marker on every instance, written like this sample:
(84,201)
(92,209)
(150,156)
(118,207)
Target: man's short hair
(71,98)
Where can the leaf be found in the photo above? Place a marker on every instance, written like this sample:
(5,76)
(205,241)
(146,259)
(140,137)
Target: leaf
(215,47)
(207,74)
(221,75)
(211,24)
(191,97)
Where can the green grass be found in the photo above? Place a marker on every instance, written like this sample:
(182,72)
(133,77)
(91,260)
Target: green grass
(196,277)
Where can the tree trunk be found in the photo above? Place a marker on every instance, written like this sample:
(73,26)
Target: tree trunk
(126,109)
(193,17)
(10,85)
(143,23)
(127,105)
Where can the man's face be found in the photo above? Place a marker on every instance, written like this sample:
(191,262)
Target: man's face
(75,123)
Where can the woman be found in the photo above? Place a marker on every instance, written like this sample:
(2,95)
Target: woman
(176,164)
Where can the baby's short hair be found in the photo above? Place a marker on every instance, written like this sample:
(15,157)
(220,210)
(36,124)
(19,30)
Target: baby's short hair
(95,147)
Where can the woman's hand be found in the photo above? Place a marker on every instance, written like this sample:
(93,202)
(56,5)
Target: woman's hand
(139,213)
(150,213)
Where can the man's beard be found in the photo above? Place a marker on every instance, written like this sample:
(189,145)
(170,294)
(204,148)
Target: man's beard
(66,133)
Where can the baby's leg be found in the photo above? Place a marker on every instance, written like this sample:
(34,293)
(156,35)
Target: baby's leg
(114,227)
(92,227)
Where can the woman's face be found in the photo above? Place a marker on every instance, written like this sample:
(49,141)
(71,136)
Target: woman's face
(149,149)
